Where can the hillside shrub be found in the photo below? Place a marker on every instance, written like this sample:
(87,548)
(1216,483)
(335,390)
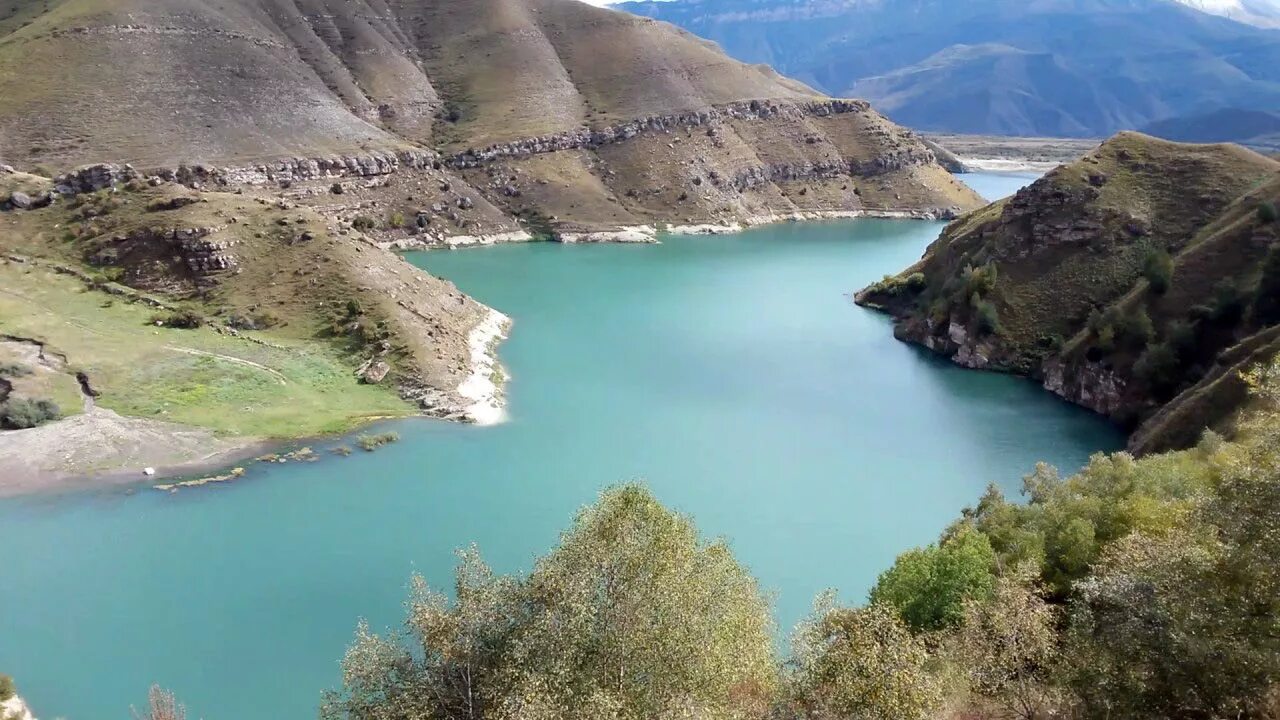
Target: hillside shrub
(1007,645)
(988,318)
(13,370)
(632,615)
(181,320)
(860,663)
(1226,307)
(7,688)
(1157,268)
(396,220)
(1159,368)
(24,413)
(1135,329)
(929,586)
(1268,212)
(363,223)
(1266,300)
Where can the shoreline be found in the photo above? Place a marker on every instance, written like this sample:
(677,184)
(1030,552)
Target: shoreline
(483,387)
(481,392)
(1004,165)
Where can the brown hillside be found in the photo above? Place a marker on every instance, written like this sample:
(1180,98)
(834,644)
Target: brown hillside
(647,123)
(1058,282)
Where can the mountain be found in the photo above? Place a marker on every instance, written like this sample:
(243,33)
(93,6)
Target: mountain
(1263,13)
(1137,282)
(1255,128)
(533,107)
(1077,68)
(217,188)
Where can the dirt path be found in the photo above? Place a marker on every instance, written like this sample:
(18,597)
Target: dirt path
(238,361)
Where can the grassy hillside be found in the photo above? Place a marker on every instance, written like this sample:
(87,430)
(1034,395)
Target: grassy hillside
(168,325)
(480,92)
(1136,277)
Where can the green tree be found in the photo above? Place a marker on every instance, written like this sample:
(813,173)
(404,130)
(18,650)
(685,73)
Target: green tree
(929,586)
(1008,645)
(1136,329)
(1183,623)
(860,663)
(631,616)
(1267,212)
(1266,301)
(1157,268)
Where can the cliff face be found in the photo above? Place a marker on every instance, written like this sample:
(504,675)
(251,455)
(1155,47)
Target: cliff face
(586,119)
(1134,282)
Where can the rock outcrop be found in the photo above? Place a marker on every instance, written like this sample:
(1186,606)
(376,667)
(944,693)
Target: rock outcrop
(1122,282)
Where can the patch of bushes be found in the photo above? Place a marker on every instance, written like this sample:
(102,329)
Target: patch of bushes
(1226,306)
(1159,368)
(895,285)
(1157,268)
(396,220)
(181,320)
(1267,212)
(1135,330)
(369,443)
(13,370)
(24,413)
(363,223)
(1266,300)
(988,317)
(928,587)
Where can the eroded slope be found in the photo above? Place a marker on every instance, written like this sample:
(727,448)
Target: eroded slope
(1135,282)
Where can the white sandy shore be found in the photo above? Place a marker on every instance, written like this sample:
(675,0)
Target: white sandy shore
(802,216)
(1002,165)
(15,708)
(632,234)
(481,388)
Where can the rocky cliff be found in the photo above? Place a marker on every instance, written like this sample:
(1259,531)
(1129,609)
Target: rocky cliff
(1136,282)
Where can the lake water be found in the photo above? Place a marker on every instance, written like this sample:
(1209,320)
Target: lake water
(733,374)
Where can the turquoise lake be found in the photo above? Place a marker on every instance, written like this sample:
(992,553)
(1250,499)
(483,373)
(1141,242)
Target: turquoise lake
(732,373)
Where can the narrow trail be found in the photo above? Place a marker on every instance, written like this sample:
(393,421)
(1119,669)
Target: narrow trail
(238,361)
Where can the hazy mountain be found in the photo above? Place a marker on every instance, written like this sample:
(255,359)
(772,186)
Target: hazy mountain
(1263,13)
(1019,67)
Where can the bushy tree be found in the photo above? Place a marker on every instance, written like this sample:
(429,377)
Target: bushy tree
(1136,329)
(161,705)
(860,663)
(1267,212)
(23,413)
(1183,624)
(1266,301)
(631,616)
(1007,645)
(1157,268)
(929,586)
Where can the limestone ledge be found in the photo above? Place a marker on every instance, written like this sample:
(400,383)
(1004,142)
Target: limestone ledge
(585,138)
(370,164)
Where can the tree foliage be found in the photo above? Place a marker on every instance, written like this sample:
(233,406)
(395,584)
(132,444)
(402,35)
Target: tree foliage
(860,663)
(1008,645)
(1157,268)
(631,616)
(929,586)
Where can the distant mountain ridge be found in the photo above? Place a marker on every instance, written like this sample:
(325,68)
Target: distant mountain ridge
(1072,68)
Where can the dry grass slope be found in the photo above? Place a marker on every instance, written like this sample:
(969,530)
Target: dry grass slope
(1063,270)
